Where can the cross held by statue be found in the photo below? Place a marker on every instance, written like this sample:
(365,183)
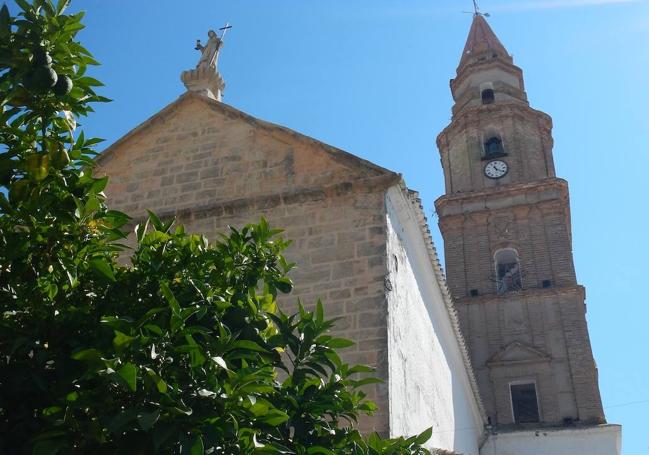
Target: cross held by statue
(224,29)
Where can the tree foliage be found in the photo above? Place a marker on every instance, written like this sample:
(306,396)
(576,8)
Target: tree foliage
(182,351)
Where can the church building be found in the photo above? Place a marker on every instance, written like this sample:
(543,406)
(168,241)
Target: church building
(494,355)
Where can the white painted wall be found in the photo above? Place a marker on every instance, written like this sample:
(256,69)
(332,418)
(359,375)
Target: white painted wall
(429,384)
(599,440)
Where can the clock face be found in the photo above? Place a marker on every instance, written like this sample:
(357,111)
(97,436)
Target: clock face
(496,169)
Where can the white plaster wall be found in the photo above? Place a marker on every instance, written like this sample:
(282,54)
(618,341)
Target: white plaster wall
(428,382)
(600,440)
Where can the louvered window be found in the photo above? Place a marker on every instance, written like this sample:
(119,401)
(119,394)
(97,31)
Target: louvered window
(524,403)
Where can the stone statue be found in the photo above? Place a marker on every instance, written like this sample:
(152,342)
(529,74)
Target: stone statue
(205,78)
(209,52)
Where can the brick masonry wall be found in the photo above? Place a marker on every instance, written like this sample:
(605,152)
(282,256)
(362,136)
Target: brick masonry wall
(550,320)
(526,210)
(526,138)
(213,166)
(538,232)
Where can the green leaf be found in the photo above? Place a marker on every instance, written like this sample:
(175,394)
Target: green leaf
(61,5)
(160,384)
(92,206)
(121,341)
(196,358)
(339,343)
(424,436)
(94,141)
(173,303)
(52,290)
(120,420)
(367,381)
(196,447)
(248,345)
(129,373)
(70,121)
(314,450)
(275,417)
(220,362)
(87,355)
(148,419)
(89,81)
(368,407)
(181,409)
(4,204)
(140,230)
(259,409)
(102,267)
(24,5)
(157,224)
(154,328)
(48,447)
(5,23)
(52,410)
(47,6)
(98,185)
(284,285)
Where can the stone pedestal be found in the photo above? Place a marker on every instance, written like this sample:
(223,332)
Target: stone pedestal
(204,80)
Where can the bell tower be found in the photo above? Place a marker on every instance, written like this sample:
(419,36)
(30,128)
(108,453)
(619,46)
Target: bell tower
(505,220)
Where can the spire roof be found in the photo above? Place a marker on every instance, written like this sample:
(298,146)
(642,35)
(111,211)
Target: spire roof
(481,40)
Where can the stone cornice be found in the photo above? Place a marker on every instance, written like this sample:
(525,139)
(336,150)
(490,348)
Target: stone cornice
(268,201)
(469,117)
(533,429)
(534,355)
(576,290)
(471,68)
(527,193)
(519,97)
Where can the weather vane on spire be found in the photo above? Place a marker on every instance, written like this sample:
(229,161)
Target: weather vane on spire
(476,10)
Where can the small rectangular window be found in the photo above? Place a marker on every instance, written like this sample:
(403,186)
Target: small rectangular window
(524,403)
(488,96)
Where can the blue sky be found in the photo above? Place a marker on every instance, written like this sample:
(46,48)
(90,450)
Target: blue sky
(371,77)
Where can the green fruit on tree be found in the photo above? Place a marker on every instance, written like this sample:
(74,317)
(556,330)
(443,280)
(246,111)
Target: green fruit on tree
(18,191)
(41,79)
(41,57)
(63,86)
(38,166)
(58,156)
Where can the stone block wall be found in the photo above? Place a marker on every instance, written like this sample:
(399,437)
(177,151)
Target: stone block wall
(338,244)
(212,166)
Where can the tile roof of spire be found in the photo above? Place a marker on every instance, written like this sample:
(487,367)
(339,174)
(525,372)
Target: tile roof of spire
(481,40)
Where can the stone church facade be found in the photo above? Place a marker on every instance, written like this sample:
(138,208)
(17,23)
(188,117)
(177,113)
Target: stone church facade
(361,242)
